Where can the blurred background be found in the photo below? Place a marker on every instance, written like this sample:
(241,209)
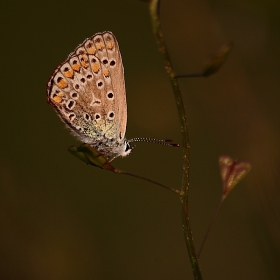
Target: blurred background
(62,219)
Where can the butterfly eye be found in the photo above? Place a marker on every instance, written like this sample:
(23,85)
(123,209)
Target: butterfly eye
(128,147)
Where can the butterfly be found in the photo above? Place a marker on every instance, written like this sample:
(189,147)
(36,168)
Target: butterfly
(87,91)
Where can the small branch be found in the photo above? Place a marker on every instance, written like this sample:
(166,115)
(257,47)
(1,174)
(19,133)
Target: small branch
(214,64)
(146,179)
(209,228)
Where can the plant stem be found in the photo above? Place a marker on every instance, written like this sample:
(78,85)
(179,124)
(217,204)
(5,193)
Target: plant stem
(154,12)
(146,179)
(209,227)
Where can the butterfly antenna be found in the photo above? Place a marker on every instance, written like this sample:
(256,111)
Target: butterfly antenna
(167,142)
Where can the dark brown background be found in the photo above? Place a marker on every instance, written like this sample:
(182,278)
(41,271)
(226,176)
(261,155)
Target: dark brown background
(61,219)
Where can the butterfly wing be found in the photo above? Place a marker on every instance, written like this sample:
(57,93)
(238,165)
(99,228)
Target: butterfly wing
(88,93)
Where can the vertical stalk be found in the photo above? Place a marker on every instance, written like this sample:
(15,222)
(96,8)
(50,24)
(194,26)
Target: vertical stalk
(154,12)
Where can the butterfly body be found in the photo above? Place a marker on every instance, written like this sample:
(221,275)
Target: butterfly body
(87,91)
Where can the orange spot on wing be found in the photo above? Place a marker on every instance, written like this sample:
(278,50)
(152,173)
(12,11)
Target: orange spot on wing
(84,61)
(100,46)
(76,67)
(106,73)
(57,99)
(84,64)
(62,83)
(110,45)
(91,50)
(69,73)
(84,58)
(61,94)
(95,67)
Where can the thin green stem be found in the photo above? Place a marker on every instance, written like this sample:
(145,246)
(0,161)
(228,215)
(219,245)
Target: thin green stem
(154,12)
